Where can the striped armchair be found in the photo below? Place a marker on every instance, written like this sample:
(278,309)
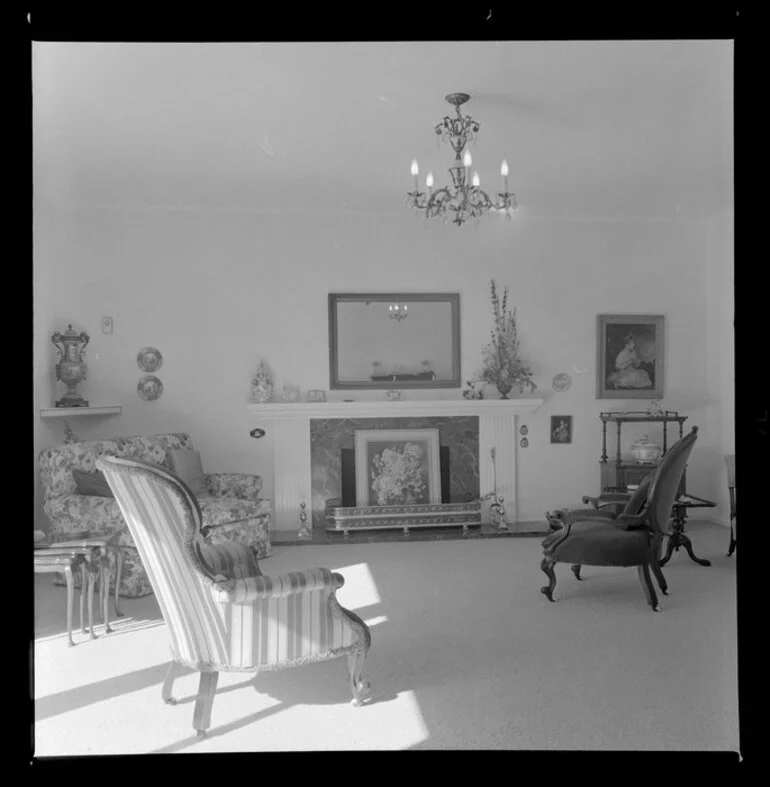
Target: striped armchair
(221,612)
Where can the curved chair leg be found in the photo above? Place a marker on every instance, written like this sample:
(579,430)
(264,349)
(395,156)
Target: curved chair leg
(70,586)
(576,570)
(118,569)
(175,669)
(662,584)
(204,701)
(83,586)
(547,566)
(647,586)
(733,541)
(358,685)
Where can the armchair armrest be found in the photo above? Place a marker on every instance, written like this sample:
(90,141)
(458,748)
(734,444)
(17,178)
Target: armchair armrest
(229,561)
(241,485)
(263,587)
(606,499)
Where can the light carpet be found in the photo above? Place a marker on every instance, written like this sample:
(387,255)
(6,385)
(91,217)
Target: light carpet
(466,654)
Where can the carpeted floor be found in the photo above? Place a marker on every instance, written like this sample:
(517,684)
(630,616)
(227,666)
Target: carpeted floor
(466,654)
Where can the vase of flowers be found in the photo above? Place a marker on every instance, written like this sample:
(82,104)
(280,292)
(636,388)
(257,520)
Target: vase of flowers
(502,365)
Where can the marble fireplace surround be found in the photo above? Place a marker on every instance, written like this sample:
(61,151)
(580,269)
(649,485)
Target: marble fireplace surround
(291,426)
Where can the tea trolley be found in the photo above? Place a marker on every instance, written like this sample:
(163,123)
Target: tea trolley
(618,474)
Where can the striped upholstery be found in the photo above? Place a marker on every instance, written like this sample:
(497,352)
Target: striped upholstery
(230,561)
(222,614)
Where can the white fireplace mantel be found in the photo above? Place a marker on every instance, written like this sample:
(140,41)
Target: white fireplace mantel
(289,427)
(400,409)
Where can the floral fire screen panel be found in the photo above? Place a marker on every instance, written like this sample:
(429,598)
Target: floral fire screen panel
(397,467)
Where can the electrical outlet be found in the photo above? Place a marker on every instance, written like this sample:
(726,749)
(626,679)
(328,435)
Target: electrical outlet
(107,324)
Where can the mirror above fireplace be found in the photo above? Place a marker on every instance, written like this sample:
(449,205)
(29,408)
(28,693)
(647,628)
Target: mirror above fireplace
(394,340)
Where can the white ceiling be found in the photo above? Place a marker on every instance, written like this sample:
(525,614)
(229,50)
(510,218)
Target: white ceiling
(590,129)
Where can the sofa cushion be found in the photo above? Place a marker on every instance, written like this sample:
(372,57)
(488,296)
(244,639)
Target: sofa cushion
(93,484)
(188,466)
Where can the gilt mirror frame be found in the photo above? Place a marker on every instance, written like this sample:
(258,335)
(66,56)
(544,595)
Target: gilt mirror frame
(451,330)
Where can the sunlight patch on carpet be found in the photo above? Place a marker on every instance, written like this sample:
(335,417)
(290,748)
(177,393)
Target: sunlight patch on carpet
(360,589)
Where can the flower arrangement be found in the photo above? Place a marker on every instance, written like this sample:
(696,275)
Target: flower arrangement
(502,365)
(397,474)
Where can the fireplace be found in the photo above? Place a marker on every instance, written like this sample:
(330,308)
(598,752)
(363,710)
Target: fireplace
(297,478)
(332,457)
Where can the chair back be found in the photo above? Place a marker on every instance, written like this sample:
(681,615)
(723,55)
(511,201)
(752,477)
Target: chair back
(666,481)
(164,519)
(637,500)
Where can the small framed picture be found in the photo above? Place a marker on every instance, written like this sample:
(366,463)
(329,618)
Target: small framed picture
(561,428)
(630,356)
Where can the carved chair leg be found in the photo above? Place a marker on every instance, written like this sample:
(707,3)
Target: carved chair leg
(118,569)
(647,586)
(91,583)
(576,570)
(358,685)
(547,566)
(104,592)
(658,572)
(83,586)
(204,701)
(175,669)
(70,593)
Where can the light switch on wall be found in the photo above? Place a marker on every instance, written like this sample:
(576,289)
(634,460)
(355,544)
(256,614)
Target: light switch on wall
(106,324)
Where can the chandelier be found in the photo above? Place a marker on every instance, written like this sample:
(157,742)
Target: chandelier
(398,312)
(465,199)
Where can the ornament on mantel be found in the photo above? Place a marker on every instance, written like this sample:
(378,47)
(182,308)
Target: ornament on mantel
(261,385)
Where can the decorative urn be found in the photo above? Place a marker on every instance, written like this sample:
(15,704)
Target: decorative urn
(71,368)
(646,451)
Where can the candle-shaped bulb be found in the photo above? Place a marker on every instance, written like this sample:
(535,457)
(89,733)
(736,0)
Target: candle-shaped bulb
(404,308)
(467,160)
(429,180)
(476,180)
(415,167)
(504,168)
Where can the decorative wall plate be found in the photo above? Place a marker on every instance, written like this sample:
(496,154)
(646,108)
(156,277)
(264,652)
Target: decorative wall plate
(149,359)
(561,382)
(149,388)
(523,442)
(524,430)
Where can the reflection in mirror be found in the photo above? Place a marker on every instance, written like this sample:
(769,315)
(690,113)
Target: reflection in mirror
(394,340)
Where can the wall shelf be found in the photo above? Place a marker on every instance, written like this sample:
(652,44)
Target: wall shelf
(71,412)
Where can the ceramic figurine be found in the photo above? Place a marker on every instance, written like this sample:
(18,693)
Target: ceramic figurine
(261,385)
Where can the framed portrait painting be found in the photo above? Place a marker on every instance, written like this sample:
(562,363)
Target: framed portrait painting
(397,467)
(630,353)
(561,429)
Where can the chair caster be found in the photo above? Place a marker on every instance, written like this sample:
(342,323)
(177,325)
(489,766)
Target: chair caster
(656,608)
(170,701)
(70,644)
(201,733)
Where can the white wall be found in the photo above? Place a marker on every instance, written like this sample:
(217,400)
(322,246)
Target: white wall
(215,291)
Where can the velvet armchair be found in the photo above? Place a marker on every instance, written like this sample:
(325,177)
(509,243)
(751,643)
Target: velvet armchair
(222,613)
(628,539)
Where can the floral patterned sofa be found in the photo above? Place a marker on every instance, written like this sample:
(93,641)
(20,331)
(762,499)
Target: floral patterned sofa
(234,513)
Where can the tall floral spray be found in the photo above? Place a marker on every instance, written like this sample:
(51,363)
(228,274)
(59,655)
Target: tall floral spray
(502,365)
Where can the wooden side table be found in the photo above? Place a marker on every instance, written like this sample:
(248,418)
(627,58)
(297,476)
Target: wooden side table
(47,563)
(106,543)
(677,537)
